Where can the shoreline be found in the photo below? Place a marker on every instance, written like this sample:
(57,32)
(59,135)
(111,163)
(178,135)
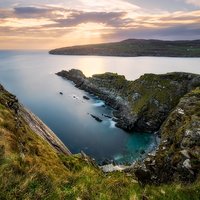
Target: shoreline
(110,167)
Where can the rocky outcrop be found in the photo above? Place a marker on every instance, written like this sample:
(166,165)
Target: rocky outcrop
(96,118)
(11,102)
(141,105)
(178,155)
(43,131)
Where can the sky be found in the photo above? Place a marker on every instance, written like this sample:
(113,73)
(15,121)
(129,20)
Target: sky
(48,24)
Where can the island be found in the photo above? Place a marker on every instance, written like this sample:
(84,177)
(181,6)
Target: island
(135,47)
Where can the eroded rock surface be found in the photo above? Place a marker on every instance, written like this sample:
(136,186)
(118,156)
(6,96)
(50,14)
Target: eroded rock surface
(178,155)
(140,105)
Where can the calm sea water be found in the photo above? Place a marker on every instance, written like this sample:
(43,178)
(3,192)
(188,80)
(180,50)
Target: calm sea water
(31,76)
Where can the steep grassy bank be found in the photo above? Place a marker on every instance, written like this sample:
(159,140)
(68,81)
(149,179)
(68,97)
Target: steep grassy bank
(31,168)
(134,47)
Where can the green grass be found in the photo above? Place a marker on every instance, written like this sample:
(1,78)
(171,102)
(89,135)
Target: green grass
(31,169)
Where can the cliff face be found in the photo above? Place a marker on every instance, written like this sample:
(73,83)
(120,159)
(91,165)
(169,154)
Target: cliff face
(134,47)
(36,125)
(141,105)
(178,155)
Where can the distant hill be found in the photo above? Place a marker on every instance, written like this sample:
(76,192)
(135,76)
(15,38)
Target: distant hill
(135,47)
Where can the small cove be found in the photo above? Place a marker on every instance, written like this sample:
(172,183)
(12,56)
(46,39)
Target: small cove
(31,76)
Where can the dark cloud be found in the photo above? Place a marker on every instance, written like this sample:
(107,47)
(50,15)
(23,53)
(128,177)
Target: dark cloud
(114,19)
(175,32)
(34,12)
(66,17)
(28,12)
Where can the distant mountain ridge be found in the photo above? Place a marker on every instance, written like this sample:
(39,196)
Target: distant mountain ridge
(135,47)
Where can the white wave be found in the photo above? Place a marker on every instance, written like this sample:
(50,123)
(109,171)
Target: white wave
(118,157)
(99,104)
(112,123)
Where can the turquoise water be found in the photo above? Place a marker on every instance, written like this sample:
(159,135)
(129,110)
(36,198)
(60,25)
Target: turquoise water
(31,76)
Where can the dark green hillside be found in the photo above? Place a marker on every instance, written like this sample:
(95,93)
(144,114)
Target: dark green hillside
(135,47)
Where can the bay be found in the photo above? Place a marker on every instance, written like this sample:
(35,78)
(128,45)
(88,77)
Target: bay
(30,75)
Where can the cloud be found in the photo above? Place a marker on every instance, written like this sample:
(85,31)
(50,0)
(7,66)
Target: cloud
(108,18)
(176,32)
(83,24)
(193,2)
(27,12)
(65,17)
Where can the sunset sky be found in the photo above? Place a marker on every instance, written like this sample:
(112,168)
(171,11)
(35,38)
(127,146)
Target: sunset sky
(47,24)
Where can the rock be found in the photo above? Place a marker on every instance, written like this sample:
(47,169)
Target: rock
(178,156)
(96,118)
(187,164)
(136,96)
(185,153)
(106,162)
(142,152)
(111,168)
(108,116)
(143,175)
(86,98)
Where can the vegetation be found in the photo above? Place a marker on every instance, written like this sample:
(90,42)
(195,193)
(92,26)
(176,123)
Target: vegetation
(134,47)
(178,155)
(31,169)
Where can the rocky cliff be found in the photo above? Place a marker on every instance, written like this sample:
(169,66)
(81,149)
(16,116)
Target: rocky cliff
(140,105)
(33,121)
(178,155)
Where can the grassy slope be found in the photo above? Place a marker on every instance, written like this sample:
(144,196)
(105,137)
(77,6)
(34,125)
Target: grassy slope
(148,86)
(31,169)
(134,47)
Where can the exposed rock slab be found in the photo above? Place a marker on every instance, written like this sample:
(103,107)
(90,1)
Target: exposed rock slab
(33,121)
(43,131)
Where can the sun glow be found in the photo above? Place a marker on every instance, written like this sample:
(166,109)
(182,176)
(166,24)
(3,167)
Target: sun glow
(74,22)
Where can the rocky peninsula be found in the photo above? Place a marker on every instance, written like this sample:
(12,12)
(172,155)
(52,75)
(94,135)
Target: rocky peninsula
(141,105)
(135,47)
